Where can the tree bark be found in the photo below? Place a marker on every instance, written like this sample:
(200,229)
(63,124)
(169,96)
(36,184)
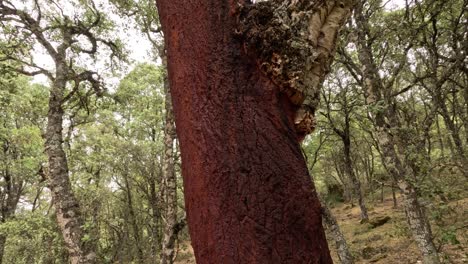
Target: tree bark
(354,179)
(169,180)
(67,208)
(342,249)
(418,223)
(455,135)
(2,247)
(247,189)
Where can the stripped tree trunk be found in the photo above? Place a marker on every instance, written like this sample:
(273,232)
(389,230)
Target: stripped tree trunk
(169,180)
(247,188)
(67,208)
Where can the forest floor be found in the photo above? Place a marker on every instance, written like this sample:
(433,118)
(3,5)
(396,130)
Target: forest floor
(391,242)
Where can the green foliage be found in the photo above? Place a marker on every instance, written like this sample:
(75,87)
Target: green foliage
(32,238)
(449,236)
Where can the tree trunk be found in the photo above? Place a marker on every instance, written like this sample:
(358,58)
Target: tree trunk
(385,120)
(341,246)
(67,208)
(155,218)
(455,135)
(169,180)
(133,219)
(2,247)
(418,223)
(395,203)
(382,192)
(354,179)
(247,189)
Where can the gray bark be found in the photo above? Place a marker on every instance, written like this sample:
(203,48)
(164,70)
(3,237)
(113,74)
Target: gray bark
(341,245)
(67,208)
(418,223)
(355,181)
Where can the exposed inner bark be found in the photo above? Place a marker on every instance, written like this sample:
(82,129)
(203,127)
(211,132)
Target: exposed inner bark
(294,43)
(249,197)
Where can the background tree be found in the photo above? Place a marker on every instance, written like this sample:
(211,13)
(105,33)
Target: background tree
(342,128)
(46,26)
(147,20)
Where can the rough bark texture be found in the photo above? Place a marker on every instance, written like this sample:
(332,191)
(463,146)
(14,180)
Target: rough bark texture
(344,254)
(169,180)
(293,42)
(248,194)
(418,222)
(63,44)
(67,208)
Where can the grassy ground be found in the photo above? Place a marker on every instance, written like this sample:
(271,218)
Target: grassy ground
(391,243)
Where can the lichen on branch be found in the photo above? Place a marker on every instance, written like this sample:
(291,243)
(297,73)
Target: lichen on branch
(293,42)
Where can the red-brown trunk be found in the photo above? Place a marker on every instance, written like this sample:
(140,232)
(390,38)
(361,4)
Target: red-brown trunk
(248,194)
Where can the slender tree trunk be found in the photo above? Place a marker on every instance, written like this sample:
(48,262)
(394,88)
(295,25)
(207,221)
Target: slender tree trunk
(133,219)
(465,116)
(344,254)
(395,203)
(418,223)
(347,190)
(156,219)
(169,180)
(354,179)
(382,192)
(67,208)
(247,187)
(415,214)
(2,247)
(440,137)
(155,204)
(455,135)
(385,119)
